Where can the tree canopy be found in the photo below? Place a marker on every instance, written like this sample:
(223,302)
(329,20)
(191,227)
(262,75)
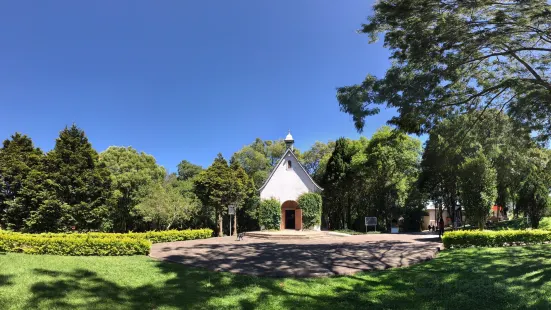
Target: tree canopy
(132,175)
(456,57)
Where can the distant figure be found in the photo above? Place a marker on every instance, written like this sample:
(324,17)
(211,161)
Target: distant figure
(441,227)
(430,227)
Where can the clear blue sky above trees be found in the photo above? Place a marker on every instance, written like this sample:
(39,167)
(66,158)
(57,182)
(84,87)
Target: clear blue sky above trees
(183,79)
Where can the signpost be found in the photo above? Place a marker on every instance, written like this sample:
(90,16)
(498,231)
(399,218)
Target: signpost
(231,211)
(370,221)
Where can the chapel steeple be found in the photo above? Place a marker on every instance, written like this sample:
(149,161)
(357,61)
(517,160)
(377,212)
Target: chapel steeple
(289,141)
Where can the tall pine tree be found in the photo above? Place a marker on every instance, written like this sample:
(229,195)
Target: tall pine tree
(83,184)
(214,188)
(19,159)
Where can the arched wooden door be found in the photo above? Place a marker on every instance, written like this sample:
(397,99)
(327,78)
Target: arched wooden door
(291,216)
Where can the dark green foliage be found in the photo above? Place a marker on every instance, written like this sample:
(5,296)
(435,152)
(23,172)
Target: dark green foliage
(215,186)
(269,214)
(82,183)
(338,176)
(187,170)
(311,206)
(487,238)
(456,57)
(20,168)
(533,195)
(477,183)
(369,178)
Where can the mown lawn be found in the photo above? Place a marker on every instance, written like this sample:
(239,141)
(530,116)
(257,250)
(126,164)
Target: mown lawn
(495,278)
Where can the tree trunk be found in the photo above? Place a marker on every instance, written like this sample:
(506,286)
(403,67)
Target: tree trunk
(234,231)
(220,227)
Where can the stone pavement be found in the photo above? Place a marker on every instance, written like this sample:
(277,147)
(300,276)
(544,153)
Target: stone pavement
(301,258)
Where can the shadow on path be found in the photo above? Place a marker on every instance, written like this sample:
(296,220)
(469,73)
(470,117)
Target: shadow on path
(263,258)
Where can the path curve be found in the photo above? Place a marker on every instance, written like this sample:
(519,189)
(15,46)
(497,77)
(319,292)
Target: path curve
(301,258)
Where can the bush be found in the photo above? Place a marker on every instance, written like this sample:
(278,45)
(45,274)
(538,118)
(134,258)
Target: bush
(487,238)
(545,223)
(100,244)
(310,204)
(73,245)
(269,214)
(175,235)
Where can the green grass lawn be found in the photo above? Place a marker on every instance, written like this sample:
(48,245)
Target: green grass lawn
(494,278)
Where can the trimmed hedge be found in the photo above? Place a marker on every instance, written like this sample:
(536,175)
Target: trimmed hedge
(310,204)
(73,245)
(269,214)
(175,235)
(99,244)
(488,238)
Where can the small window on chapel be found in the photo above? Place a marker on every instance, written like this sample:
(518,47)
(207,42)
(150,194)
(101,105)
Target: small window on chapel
(289,165)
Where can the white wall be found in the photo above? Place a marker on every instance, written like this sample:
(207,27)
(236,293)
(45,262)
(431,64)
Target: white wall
(287,184)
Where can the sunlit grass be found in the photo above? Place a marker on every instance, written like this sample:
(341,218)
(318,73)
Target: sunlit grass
(489,278)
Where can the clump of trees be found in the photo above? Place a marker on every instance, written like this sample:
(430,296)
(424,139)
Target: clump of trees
(476,77)
(72,187)
(370,178)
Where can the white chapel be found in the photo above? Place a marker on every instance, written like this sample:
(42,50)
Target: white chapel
(286,183)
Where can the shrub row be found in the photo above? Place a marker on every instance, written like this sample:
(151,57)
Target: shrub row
(153,236)
(487,238)
(175,235)
(100,244)
(73,245)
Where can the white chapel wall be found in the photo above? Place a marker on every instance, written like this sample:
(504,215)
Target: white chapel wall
(288,184)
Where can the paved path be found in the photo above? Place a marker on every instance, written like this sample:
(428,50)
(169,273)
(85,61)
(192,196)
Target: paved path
(301,258)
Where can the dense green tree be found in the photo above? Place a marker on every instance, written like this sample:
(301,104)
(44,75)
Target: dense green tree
(478,189)
(83,184)
(336,182)
(454,140)
(214,187)
(391,169)
(533,195)
(187,170)
(242,192)
(259,158)
(132,175)
(254,162)
(454,57)
(164,206)
(315,159)
(20,161)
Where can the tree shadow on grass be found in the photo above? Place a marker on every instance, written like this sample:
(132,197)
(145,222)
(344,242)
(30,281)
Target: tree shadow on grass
(5,280)
(508,278)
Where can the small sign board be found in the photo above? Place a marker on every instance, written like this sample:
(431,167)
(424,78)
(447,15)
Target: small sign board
(231,210)
(370,221)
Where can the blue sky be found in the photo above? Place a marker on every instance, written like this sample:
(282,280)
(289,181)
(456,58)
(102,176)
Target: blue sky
(183,79)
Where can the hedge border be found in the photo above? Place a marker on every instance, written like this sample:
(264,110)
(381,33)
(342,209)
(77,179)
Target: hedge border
(490,238)
(98,244)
